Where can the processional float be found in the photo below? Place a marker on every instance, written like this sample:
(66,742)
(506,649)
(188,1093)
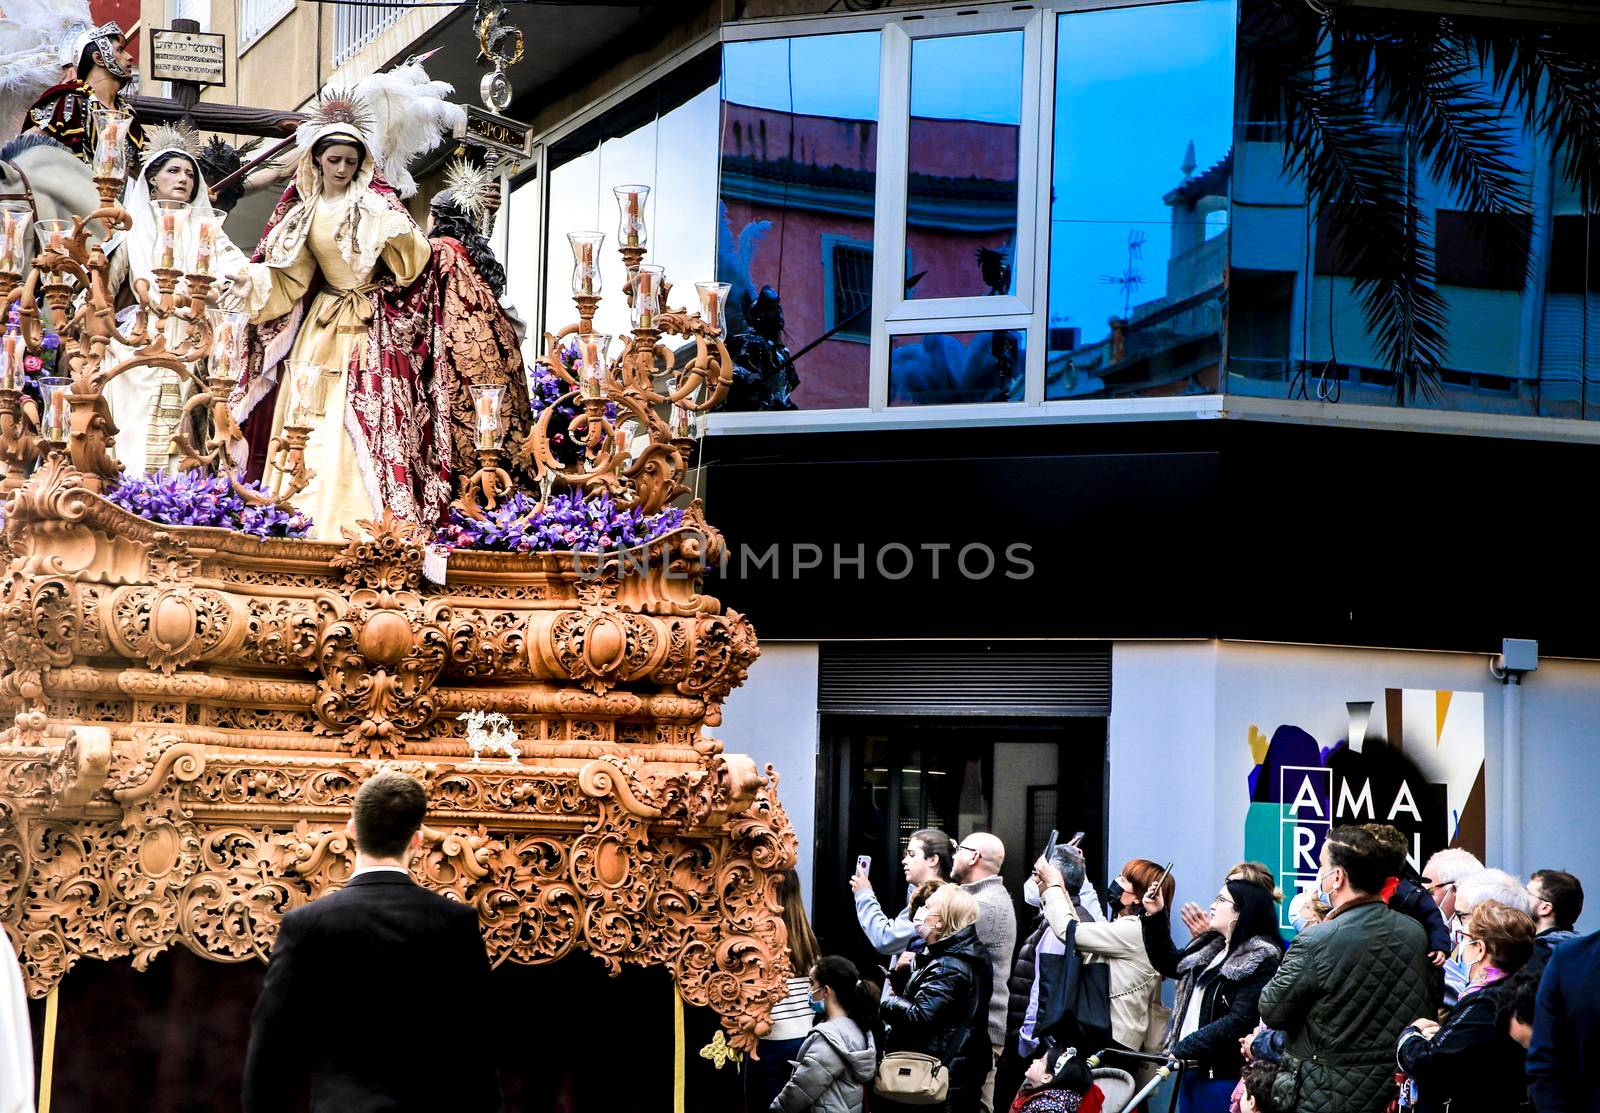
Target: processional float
(191,709)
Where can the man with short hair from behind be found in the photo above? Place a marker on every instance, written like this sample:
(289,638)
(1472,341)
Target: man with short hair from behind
(359,976)
(1564,1055)
(1348,986)
(1557,903)
(978,861)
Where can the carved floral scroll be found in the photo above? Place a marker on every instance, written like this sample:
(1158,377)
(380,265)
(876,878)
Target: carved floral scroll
(190,713)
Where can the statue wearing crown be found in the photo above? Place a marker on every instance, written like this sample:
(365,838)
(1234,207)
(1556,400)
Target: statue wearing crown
(102,75)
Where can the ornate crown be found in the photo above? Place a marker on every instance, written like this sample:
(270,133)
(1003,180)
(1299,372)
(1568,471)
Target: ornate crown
(164,137)
(468,186)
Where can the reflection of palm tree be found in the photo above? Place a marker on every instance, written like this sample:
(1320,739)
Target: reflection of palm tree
(1344,91)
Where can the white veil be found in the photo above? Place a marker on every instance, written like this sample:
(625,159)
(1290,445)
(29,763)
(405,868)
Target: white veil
(140,244)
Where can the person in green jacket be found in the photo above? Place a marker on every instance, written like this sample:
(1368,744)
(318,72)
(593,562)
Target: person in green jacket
(1347,988)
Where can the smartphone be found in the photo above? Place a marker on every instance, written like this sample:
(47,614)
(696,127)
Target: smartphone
(1075,839)
(1050,846)
(863,864)
(1160,880)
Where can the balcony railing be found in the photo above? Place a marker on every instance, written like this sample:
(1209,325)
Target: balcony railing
(257,17)
(356,27)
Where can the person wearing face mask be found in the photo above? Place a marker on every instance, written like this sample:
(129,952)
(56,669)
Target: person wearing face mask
(837,1058)
(1440,875)
(1220,977)
(1137,1015)
(1343,992)
(937,1003)
(792,1017)
(1022,1010)
(1469,1064)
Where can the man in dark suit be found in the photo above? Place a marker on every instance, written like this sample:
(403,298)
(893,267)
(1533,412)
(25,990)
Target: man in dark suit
(360,977)
(1564,1057)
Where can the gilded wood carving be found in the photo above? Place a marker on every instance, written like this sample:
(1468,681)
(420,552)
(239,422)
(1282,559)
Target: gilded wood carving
(190,713)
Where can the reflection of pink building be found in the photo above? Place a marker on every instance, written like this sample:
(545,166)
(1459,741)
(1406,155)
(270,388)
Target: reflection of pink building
(814,177)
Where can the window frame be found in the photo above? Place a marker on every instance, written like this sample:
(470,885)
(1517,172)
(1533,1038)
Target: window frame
(267,24)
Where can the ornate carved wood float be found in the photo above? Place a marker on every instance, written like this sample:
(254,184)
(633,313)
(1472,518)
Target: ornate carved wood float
(194,710)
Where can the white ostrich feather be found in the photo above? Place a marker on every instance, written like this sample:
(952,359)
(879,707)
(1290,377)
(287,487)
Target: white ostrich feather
(410,117)
(30,35)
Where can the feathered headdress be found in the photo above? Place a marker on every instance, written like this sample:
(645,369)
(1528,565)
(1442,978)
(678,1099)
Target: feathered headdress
(400,115)
(30,51)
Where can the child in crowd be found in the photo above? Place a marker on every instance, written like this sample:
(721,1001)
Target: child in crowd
(1257,1082)
(1402,893)
(1058,1082)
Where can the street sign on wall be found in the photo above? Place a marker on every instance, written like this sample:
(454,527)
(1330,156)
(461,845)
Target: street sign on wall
(195,56)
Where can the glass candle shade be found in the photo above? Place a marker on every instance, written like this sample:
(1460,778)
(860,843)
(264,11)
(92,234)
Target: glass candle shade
(172,217)
(227,343)
(308,392)
(647,295)
(586,261)
(593,361)
(486,403)
(13,350)
(201,258)
(53,235)
(631,230)
(683,423)
(111,142)
(714,304)
(55,415)
(15,217)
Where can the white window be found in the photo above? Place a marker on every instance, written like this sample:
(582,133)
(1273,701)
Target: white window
(354,28)
(197,10)
(257,17)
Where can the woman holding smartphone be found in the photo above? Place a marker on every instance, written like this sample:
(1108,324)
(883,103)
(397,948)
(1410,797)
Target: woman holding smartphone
(1138,1019)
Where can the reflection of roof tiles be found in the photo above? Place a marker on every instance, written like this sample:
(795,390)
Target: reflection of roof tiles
(1210,182)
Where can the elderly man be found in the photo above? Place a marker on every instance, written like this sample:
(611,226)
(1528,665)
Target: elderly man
(1440,875)
(977,870)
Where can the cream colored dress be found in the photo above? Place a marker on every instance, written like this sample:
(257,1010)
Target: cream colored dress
(334,328)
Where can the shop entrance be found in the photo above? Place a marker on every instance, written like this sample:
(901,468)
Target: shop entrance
(881,778)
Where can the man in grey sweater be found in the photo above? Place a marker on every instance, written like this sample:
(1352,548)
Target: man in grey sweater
(977,870)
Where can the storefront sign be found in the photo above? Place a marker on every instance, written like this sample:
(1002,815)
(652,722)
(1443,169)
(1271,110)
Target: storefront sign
(1416,763)
(188,56)
(497,133)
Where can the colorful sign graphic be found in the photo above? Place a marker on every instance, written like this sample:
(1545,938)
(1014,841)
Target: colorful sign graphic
(1415,761)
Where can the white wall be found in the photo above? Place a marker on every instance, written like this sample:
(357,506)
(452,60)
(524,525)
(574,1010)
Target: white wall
(1164,803)
(773,718)
(1180,753)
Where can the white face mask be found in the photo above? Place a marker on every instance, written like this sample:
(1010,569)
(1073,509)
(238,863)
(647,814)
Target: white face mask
(1031,894)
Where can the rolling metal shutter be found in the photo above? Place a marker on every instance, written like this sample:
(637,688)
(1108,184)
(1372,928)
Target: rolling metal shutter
(972,678)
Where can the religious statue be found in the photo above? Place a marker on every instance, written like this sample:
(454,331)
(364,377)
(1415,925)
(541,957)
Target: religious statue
(763,372)
(146,400)
(476,339)
(341,280)
(103,71)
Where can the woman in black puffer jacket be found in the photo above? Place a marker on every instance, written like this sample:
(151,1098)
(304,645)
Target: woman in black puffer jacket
(1221,974)
(939,1002)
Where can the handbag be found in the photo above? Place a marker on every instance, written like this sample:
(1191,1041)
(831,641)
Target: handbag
(1074,999)
(912,1078)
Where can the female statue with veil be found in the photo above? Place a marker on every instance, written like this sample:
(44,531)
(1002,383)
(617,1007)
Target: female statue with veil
(147,400)
(335,282)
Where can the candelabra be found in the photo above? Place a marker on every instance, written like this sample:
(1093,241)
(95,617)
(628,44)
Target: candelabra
(64,301)
(628,438)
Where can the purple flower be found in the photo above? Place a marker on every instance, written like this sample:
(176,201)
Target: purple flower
(568,523)
(192,498)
